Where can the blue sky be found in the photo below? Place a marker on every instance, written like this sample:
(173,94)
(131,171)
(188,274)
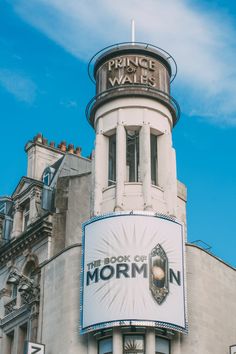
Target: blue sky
(45,46)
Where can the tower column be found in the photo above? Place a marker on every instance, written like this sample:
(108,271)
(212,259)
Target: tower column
(92,345)
(145,165)
(150,341)
(167,172)
(100,171)
(17,221)
(117,341)
(120,163)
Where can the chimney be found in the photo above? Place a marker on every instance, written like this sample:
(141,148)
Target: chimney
(52,144)
(71,148)
(62,146)
(40,155)
(78,151)
(39,138)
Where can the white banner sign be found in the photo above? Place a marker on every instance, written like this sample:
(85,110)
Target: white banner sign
(133,272)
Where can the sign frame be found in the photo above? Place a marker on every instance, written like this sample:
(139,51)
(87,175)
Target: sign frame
(232,349)
(28,343)
(133,322)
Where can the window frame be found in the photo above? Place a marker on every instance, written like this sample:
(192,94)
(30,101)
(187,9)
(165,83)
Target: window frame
(48,175)
(154,159)
(112,146)
(136,334)
(165,338)
(102,339)
(133,139)
(2,207)
(26,216)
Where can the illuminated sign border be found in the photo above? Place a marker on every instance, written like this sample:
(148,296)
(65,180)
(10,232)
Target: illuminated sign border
(133,322)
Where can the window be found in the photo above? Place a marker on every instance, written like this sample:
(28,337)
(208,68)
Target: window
(46,178)
(162,345)
(105,346)
(47,199)
(112,160)
(2,207)
(25,217)
(132,155)
(133,344)
(154,159)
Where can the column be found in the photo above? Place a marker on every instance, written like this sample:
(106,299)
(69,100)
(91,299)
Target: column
(167,172)
(17,221)
(120,165)
(117,341)
(100,170)
(145,165)
(35,205)
(92,345)
(150,341)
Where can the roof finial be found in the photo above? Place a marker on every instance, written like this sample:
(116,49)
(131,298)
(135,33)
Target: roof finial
(132,31)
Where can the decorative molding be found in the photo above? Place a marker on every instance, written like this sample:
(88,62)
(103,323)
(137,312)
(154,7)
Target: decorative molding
(15,314)
(5,292)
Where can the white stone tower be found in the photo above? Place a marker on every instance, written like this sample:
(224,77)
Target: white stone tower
(133,115)
(134,172)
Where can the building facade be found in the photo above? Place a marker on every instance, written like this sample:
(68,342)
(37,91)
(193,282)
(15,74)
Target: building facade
(94,257)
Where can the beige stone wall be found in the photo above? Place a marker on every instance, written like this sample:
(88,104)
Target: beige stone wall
(73,204)
(211,286)
(211,289)
(60,304)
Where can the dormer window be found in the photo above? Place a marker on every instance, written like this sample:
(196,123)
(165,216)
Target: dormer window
(48,175)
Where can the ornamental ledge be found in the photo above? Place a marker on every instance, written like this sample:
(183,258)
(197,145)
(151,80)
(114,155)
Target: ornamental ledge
(39,230)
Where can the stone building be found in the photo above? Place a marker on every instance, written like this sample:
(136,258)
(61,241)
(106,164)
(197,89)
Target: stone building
(184,298)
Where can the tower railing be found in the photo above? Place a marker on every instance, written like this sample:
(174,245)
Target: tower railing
(135,90)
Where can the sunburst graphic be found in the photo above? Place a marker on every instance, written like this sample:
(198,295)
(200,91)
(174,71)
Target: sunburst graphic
(111,293)
(132,346)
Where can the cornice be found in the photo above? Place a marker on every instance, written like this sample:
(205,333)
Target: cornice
(39,230)
(23,310)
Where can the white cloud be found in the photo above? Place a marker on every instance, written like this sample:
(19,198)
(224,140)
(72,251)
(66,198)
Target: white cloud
(203,43)
(19,86)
